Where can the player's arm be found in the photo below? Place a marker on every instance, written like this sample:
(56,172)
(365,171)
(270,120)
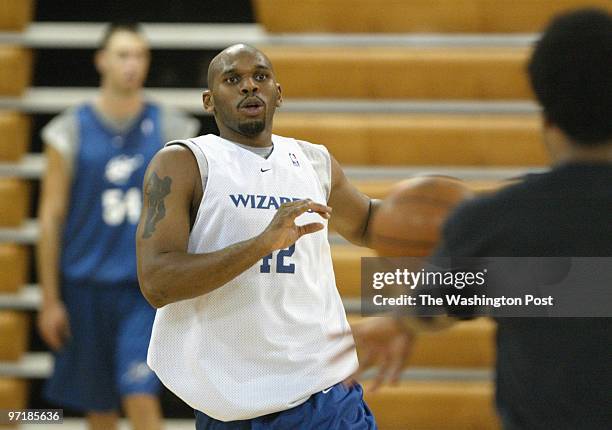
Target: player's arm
(167,273)
(53,207)
(353,210)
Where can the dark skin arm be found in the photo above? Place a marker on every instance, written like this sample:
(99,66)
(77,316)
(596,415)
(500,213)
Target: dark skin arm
(353,210)
(167,273)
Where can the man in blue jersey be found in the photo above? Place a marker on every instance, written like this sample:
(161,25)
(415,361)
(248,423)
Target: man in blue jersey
(93,315)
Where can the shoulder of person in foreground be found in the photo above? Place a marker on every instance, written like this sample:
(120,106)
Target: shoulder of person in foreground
(473,224)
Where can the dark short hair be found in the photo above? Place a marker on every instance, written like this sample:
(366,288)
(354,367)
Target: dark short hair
(571,74)
(111,29)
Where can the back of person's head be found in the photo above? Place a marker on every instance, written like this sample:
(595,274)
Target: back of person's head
(115,27)
(571,74)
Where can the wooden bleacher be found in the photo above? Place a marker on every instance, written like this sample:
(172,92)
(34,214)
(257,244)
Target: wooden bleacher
(346,260)
(15,14)
(379,189)
(16,327)
(15,77)
(467,344)
(421,139)
(13,393)
(390,72)
(15,70)
(14,201)
(13,267)
(412,16)
(15,132)
(434,405)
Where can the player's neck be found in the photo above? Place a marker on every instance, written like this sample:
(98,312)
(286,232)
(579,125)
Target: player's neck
(601,154)
(119,105)
(564,150)
(262,140)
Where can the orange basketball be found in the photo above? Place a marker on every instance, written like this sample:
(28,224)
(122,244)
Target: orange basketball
(410,219)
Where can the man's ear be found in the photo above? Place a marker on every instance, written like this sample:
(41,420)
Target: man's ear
(555,141)
(100,61)
(279,99)
(207,100)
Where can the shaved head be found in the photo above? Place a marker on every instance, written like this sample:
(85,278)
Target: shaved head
(221,61)
(243,95)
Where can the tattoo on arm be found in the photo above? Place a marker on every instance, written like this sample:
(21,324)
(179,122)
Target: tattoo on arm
(156,190)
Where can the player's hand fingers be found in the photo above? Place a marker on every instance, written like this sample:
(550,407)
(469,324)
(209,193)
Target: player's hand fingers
(383,368)
(53,338)
(306,205)
(365,362)
(323,210)
(395,369)
(66,332)
(349,382)
(309,228)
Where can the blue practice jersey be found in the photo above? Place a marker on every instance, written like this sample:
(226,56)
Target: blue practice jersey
(106,198)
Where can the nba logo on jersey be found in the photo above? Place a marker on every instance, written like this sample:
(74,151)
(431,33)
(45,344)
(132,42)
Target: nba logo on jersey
(294,159)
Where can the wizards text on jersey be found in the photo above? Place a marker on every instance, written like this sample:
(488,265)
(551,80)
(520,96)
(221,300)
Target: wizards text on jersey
(257,201)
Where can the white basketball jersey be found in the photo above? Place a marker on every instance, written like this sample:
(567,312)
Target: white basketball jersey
(260,343)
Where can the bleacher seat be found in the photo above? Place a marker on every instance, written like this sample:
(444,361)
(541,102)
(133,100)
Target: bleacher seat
(389,72)
(13,393)
(15,135)
(13,267)
(466,344)
(14,335)
(379,188)
(15,14)
(434,405)
(15,77)
(14,202)
(416,16)
(435,140)
(347,267)
(15,70)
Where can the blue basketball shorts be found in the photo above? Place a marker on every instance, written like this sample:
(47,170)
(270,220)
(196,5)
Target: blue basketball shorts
(106,357)
(336,408)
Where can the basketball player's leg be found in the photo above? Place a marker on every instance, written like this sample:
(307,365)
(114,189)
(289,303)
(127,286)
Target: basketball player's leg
(102,420)
(143,411)
(83,376)
(137,384)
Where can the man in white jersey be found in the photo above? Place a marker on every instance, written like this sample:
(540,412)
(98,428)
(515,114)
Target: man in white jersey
(233,252)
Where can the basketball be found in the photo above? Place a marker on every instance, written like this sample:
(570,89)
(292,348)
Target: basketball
(410,219)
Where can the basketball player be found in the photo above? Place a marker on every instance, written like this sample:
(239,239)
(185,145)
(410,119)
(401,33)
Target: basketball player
(552,373)
(93,315)
(233,251)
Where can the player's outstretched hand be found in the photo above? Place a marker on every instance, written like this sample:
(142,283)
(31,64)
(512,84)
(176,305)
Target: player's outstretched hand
(53,324)
(383,342)
(282,232)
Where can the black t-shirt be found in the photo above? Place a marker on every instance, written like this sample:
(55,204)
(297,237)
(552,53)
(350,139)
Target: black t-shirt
(552,373)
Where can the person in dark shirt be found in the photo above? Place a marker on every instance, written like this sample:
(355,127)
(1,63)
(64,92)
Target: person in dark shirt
(551,372)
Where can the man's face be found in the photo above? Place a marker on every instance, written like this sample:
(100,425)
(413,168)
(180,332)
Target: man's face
(244,93)
(124,63)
